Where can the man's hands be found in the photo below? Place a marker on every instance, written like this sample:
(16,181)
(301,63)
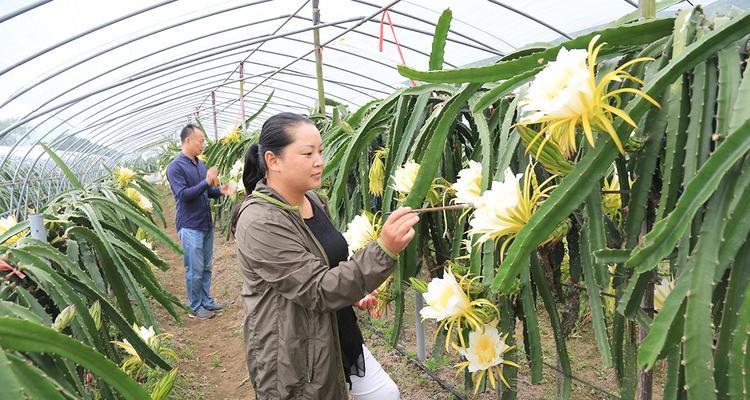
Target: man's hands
(211,175)
(398,229)
(228,189)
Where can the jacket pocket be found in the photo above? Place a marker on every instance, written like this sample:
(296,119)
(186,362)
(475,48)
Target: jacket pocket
(293,345)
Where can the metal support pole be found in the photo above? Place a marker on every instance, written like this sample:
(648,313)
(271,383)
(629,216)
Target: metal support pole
(242,96)
(318,57)
(213,112)
(36,226)
(22,10)
(647,9)
(645,379)
(419,331)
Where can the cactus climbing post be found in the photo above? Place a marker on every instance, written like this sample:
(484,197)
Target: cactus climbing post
(213,112)
(36,227)
(419,331)
(318,57)
(242,96)
(646,378)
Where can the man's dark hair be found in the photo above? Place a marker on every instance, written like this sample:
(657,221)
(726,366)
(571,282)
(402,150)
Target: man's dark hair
(188,131)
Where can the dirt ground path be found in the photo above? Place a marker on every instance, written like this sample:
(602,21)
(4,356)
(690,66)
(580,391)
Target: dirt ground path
(211,352)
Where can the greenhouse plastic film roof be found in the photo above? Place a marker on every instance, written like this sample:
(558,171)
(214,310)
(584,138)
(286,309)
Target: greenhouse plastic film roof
(107,81)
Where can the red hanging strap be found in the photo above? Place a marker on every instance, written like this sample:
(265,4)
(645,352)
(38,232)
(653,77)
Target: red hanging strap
(385,15)
(382,22)
(4,266)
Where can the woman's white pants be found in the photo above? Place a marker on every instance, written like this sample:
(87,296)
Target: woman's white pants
(376,384)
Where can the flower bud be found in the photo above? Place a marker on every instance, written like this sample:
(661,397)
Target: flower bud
(377,173)
(64,318)
(472,286)
(164,386)
(635,144)
(459,269)
(96,313)
(418,285)
(549,155)
(347,128)
(154,342)
(488,315)
(386,295)
(561,230)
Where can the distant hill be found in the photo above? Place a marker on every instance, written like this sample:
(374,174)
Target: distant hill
(67,144)
(11,138)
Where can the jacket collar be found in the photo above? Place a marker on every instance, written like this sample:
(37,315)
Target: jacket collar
(266,193)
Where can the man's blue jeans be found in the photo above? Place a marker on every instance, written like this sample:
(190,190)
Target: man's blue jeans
(199,249)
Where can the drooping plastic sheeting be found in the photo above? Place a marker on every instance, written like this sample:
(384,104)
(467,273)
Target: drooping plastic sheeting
(109,81)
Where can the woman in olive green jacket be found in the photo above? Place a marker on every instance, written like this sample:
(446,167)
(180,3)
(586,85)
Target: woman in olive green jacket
(301,338)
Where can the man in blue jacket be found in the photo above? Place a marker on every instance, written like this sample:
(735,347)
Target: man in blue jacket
(192,185)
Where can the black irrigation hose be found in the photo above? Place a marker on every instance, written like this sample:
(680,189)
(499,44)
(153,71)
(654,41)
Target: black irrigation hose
(457,393)
(605,294)
(453,390)
(581,381)
(579,287)
(416,362)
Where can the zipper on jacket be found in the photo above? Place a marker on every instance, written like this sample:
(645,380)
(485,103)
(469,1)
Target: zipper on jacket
(325,258)
(307,351)
(334,319)
(336,339)
(315,240)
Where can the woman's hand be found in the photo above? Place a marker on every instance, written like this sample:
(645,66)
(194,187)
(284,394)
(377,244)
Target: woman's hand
(368,302)
(398,229)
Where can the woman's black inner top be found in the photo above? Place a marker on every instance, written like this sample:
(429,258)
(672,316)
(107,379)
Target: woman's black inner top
(337,250)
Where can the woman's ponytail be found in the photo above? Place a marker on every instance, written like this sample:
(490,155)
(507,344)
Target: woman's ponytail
(255,168)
